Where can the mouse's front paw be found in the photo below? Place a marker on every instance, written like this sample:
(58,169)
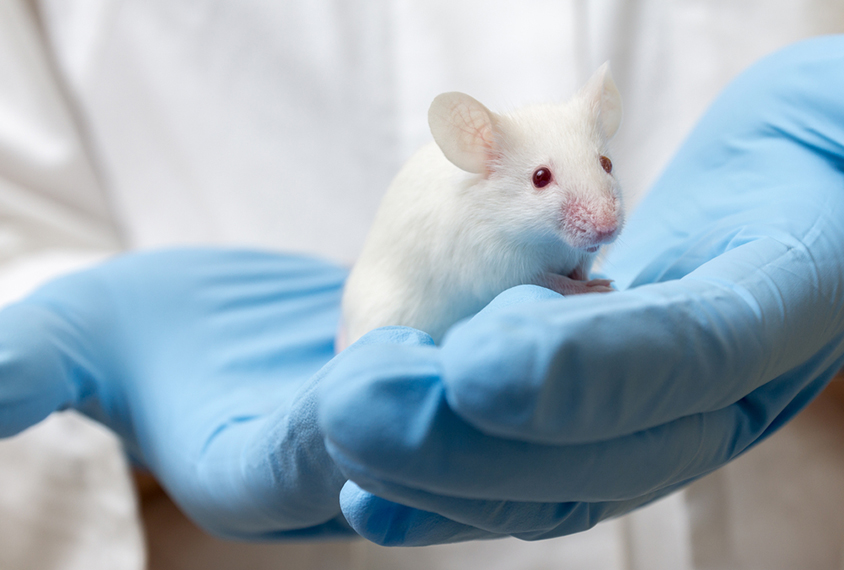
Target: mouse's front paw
(568,286)
(599,286)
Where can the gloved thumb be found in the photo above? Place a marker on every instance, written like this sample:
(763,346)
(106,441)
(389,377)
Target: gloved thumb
(43,368)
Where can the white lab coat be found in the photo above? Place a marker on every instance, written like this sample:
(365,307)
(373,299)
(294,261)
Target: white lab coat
(129,124)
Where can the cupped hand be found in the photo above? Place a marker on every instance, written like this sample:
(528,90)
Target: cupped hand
(205,363)
(544,415)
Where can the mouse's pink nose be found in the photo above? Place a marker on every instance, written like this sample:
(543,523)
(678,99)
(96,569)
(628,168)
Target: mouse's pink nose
(588,225)
(606,233)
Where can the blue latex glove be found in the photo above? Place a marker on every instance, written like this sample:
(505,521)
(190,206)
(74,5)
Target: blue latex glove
(204,363)
(544,415)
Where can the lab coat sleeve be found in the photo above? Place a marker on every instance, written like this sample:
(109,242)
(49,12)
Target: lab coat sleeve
(65,495)
(53,214)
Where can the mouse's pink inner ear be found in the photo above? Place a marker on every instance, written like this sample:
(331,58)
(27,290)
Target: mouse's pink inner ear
(602,92)
(463,129)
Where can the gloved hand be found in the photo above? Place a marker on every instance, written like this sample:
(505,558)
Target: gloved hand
(543,415)
(204,363)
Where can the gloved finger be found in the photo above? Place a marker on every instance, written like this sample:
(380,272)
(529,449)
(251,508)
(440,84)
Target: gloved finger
(43,367)
(386,418)
(407,523)
(392,524)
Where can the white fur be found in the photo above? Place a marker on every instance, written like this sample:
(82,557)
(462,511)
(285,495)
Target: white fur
(446,241)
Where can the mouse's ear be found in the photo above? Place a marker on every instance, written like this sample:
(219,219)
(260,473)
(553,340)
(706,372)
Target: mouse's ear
(463,129)
(601,91)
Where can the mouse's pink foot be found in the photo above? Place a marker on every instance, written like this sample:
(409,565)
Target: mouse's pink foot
(568,286)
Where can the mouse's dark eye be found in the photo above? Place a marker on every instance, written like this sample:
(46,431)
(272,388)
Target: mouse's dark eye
(542,177)
(606,164)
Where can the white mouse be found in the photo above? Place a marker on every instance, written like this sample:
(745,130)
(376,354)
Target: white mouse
(497,200)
